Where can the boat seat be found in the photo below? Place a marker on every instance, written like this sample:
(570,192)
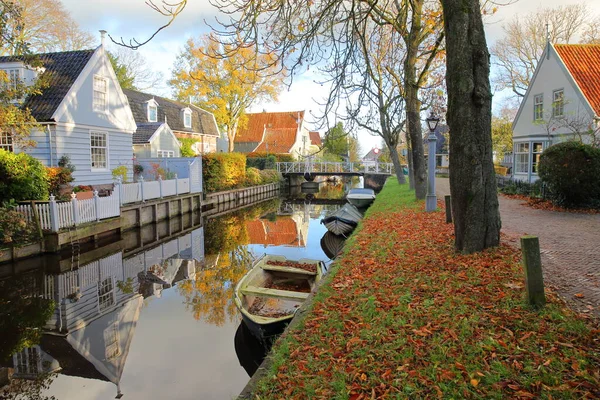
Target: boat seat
(260,291)
(276,268)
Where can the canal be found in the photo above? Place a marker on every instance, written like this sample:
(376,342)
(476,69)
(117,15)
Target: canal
(150,315)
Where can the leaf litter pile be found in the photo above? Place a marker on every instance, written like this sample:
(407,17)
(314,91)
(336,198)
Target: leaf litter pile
(294,264)
(405,316)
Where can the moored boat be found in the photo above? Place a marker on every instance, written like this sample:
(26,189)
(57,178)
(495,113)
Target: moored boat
(332,245)
(271,292)
(342,221)
(361,198)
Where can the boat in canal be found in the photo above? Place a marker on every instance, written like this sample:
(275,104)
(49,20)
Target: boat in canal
(342,221)
(332,245)
(271,292)
(361,198)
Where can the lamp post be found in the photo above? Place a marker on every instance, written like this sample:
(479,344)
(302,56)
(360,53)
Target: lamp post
(431,200)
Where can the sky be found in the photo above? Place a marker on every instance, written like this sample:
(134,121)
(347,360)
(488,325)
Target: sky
(134,19)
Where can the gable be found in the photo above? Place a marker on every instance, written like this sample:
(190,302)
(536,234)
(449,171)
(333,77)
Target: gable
(278,141)
(77,105)
(583,63)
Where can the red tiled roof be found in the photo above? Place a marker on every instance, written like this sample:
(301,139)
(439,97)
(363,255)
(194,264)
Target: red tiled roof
(277,141)
(257,122)
(315,139)
(281,232)
(583,62)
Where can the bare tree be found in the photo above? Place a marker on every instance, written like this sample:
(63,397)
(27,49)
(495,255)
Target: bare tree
(46,26)
(138,69)
(518,53)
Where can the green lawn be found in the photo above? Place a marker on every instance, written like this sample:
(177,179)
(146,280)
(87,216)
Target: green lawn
(403,316)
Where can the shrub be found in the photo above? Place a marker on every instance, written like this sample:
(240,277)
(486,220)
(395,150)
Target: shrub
(138,169)
(523,188)
(82,188)
(223,171)
(14,228)
(120,172)
(278,157)
(270,176)
(65,162)
(186,147)
(571,170)
(57,177)
(262,162)
(253,177)
(22,177)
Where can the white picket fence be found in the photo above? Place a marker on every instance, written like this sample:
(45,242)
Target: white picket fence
(148,190)
(54,215)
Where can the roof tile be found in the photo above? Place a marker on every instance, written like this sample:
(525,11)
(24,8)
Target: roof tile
(278,141)
(583,62)
(258,122)
(315,139)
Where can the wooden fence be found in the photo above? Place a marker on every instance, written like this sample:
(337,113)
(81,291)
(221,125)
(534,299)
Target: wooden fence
(56,215)
(148,190)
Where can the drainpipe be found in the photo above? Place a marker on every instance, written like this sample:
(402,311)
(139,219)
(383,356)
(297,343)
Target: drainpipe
(50,144)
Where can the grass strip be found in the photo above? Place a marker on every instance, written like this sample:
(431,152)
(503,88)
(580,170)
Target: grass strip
(404,316)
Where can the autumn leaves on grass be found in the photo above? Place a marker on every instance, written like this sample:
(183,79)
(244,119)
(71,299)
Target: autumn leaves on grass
(404,316)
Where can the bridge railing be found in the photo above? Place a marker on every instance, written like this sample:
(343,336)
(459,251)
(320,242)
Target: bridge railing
(301,167)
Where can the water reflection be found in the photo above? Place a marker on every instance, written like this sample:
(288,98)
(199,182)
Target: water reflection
(150,314)
(250,351)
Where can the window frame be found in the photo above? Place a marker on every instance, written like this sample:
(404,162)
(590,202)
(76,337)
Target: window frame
(152,106)
(6,142)
(521,157)
(106,294)
(170,153)
(535,156)
(538,107)
(15,75)
(558,104)
(187,113)
(96,107)
(106,152)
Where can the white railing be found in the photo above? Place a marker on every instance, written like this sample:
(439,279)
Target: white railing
(54,216)
(148,190)
(334,167)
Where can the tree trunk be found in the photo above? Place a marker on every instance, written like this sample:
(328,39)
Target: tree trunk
(231,131)
(397,165)
(413,105)
(411,177)
(472,177)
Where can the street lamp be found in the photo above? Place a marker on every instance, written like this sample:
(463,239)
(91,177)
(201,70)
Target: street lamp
(431,200)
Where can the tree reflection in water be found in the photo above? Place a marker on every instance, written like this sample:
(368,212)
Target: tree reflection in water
(210,295)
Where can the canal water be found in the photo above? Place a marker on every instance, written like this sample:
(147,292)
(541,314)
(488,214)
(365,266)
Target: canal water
(150,315)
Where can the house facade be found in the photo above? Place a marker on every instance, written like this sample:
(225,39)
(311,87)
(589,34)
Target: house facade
(82,111)
(172,120)
(274,132)
(562,103)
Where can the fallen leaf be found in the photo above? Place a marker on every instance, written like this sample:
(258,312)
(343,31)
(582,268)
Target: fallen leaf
(474,382)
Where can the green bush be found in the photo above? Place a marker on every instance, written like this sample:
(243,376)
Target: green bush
(120,172)
(522,188)
(571,171)
(14,228)
(22,177)
(262,162)
(57,177)
(270,176)
(186,147)
(223,171)
(278,157)
(253,177)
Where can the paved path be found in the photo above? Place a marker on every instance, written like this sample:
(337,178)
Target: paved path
(570,247)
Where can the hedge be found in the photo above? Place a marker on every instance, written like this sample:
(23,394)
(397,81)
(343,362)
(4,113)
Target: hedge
(223,171)
(22,177)
(571,171)
(262,162)
(279,157)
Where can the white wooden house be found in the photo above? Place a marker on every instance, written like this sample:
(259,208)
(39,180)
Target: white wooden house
(83,113)
(562,103)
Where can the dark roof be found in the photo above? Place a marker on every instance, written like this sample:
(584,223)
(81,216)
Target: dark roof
(72,363)
(144,132)
(202,121)
(62,69)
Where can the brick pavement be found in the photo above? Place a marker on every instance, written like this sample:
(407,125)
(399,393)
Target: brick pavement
(569,243)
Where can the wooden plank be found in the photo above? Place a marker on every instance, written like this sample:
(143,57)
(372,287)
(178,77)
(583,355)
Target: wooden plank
(279,268)
(259,291)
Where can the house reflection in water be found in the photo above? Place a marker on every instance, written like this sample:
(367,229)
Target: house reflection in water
(283,230)
(98,306)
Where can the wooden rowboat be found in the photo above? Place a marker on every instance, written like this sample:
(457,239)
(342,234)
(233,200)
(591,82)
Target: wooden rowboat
(342,221)
(361,198)
(332,245)
(271,292)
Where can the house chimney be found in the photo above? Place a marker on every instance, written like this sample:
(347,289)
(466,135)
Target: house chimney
(102,37)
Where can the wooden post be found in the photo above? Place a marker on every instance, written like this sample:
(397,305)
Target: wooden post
(75,208)
(532,263)
(448,209)
(97,205)
(54,220)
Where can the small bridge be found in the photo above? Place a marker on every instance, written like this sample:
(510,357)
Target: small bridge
(301,168)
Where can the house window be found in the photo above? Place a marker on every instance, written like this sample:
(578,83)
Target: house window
(538,107)
(6,141)
(165,153)
(521,158)
(14,77)
(536,152)
(106,296)
(187,119)
(98,150)
(152,112)
(100,94)
(558,103)
(111,341)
